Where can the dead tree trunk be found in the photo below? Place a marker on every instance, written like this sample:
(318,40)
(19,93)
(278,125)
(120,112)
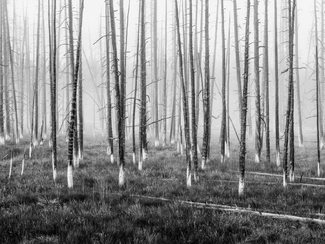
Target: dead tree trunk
(118,94)
(266,82)
(185,104)
(276,73)
(291,10)
(2,128)
(193,94)
(110,147)
(242,154)
(53,73)
(206,100)
(258,144)
(223,92)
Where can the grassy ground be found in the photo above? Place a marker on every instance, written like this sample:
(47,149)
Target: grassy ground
(34,210)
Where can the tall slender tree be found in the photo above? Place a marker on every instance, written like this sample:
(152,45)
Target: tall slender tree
(276,74)
(242,154)
(53,90)
(143,97)
(266,82)
(2,129)
(110,147)
(298,100)
(206,97)
(193,94)
(291,12)
(36,82)
(318,117)
(185,103)
(119,108)
(258,143)
(11,58)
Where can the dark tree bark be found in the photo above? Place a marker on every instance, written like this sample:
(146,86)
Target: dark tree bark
(242,154)
(165,81)
(143,97)
(300,134)
(223,92)
(80,112)
(2,121)
(185,103)
(73,113)
(291,11)
(136,88)
(118,93)
(110,147)
(193,95)
(122,99)
(53,73)
(266,82)
(258,143)
(155,67)
(318,117)
(238,69)
(276,73)
(36,82)
(206,100)
(10,51)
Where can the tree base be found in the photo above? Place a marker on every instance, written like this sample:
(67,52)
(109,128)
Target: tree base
(203,163)
(278,160)
(257,158)
(2,140)
(22,167)
(188,178)
(121,176)
(241,187)
(70,176)
(134,158)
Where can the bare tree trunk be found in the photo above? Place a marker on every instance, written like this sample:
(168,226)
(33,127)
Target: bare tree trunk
(165,81)
(2,121)
(36,86)
(80,112)
(185,104)
(193,94)
(16,128)
(266,82)
(276,73)
(73,113)
(155,67)
(44,117)
(318,118)
(300,134)
(52,53)
(290,93)
(242,154)
(206,129)
(110,147)
(321,87)
(258,144)
(238,70)
(118,93)
(122,99)
(67,77)
(173,120)
(223,92)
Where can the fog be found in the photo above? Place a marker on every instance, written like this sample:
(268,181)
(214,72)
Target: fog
(94,48)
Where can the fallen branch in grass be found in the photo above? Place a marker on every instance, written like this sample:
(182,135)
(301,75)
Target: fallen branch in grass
(269,183)
(227,208)
(276,175)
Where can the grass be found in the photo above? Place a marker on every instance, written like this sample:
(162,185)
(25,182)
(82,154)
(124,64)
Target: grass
(34,210)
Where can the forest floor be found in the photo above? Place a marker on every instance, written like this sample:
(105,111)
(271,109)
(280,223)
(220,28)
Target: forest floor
(34,210)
